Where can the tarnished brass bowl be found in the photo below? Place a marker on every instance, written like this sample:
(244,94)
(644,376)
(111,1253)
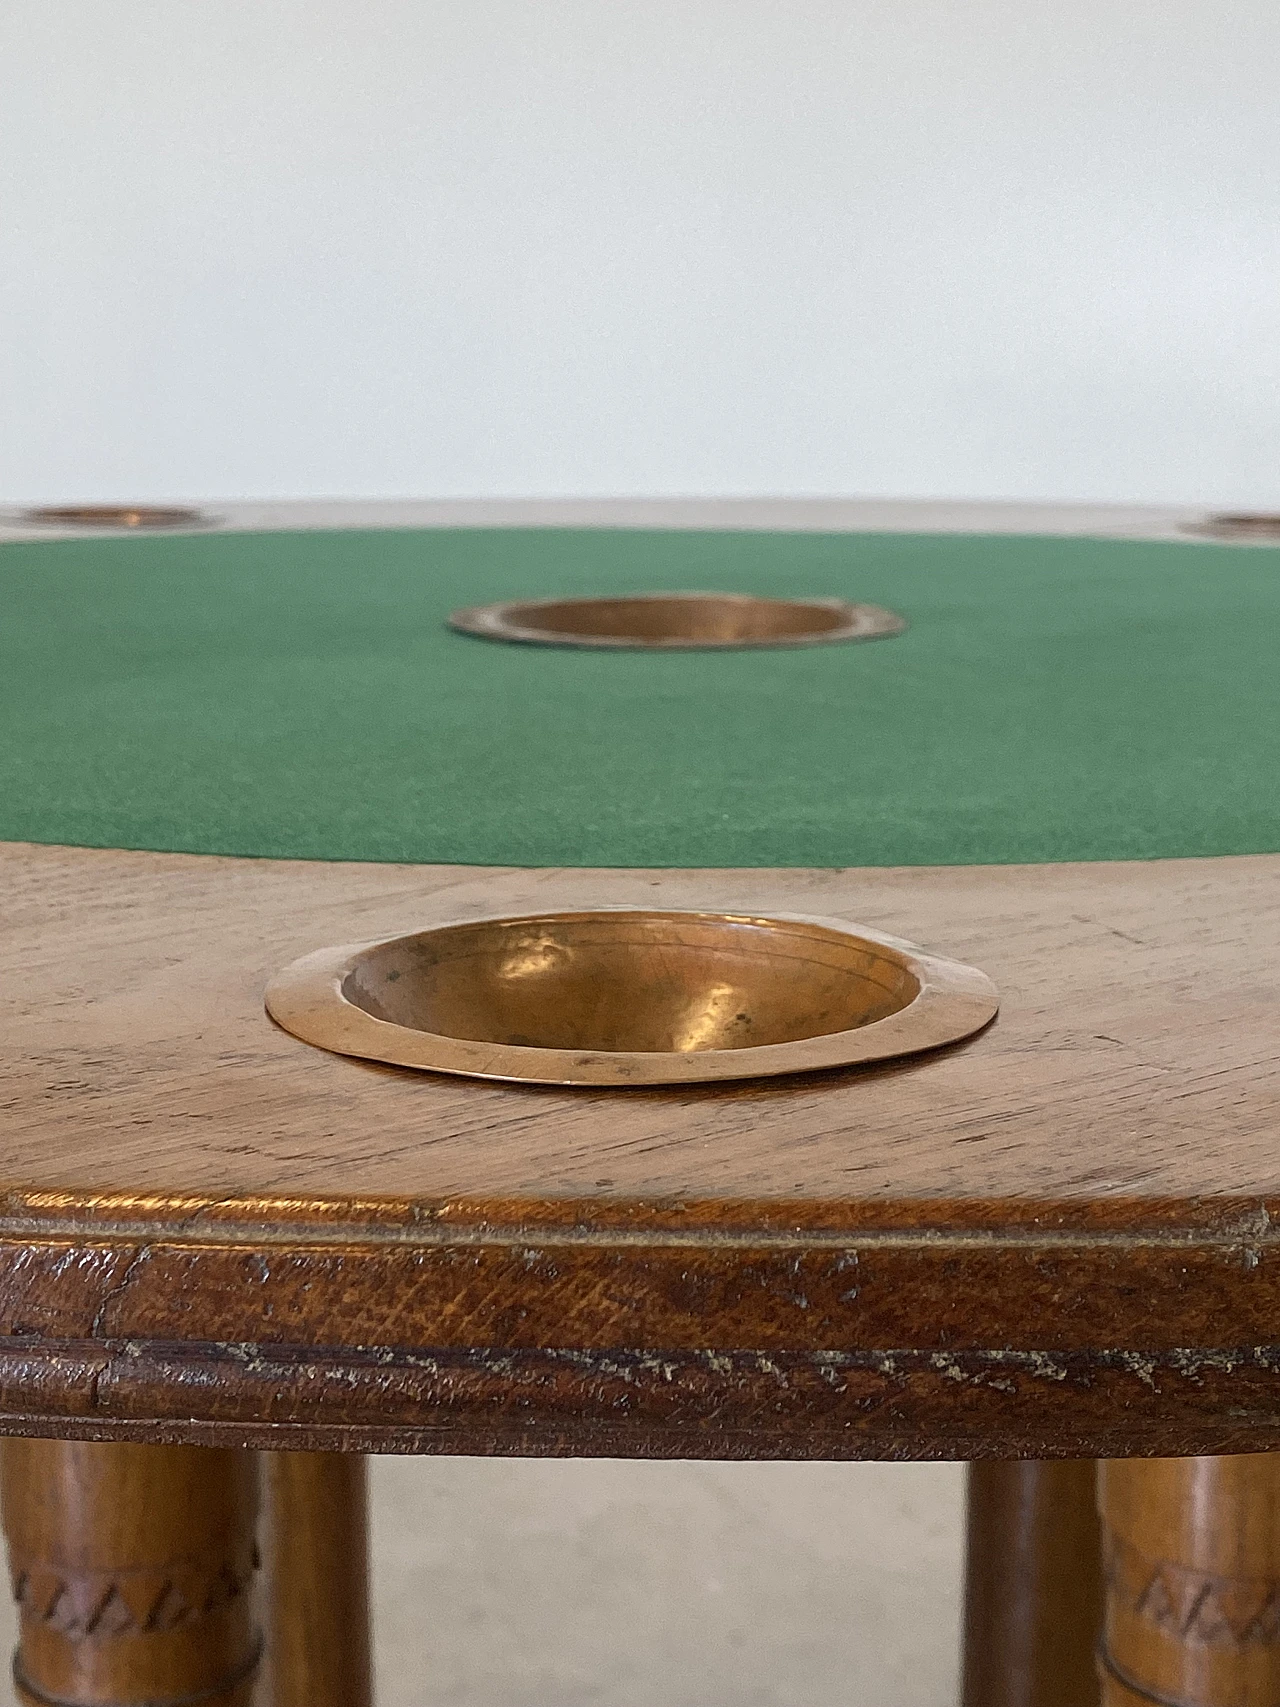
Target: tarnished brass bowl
(621,997)
(124,516)
(678,621)
(1249,527)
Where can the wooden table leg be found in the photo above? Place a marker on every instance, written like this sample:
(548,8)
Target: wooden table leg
(318,1580)
(133,1569)
(1033,1585)
(1192,1549)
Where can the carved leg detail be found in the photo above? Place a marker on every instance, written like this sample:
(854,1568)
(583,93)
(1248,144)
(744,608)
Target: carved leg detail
(1192,1549)
(132,1568)
(1033,1586)
(318,1579)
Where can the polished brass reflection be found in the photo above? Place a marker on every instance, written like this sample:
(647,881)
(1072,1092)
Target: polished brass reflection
(123,516)
(1257,526)
(678,621)
(627,997)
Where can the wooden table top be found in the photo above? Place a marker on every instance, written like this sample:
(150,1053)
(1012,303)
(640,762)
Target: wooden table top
(1056,1237)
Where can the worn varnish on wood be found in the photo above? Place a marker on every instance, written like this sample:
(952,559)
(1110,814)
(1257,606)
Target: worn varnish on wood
(1057,1238)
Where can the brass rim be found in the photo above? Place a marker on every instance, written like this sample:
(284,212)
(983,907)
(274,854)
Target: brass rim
(1258,527)
(679,621)
(118,517)
(941,1002)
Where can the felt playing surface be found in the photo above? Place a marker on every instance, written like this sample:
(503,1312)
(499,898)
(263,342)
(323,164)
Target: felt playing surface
(299,695)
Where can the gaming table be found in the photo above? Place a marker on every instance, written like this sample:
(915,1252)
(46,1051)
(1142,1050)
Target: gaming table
(244,737)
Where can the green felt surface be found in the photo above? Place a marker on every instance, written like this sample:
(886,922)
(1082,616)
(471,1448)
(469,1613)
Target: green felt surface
(297,694)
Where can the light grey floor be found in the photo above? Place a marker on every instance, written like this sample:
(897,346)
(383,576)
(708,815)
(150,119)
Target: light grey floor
(507,1583)
(513,1583)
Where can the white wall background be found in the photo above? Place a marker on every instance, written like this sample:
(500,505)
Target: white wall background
(423,247)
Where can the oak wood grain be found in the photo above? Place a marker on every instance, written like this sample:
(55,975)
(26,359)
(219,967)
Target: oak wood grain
(1055,1238)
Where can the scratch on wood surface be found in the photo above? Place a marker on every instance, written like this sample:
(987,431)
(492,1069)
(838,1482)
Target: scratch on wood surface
(117,1290)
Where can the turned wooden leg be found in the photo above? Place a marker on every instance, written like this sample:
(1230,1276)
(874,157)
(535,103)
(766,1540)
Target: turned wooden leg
(1192,1548)
(318,1580)
(132,1568)
(1033,1586)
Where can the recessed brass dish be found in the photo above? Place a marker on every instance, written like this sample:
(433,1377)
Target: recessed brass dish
(1258,527)
(678,621)
(622,997)
(124,516)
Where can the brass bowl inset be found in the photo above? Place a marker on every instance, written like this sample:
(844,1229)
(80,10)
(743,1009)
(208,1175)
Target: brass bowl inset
(677,621)
(626,997)
(1257,527)
(125,517)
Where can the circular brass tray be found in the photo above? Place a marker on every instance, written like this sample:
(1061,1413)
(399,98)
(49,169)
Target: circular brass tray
(1259,527)
(628,997)
(123,516)
(678,621)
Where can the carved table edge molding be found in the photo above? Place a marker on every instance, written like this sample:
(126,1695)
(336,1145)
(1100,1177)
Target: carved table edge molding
(726,1446)
(646,1403)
